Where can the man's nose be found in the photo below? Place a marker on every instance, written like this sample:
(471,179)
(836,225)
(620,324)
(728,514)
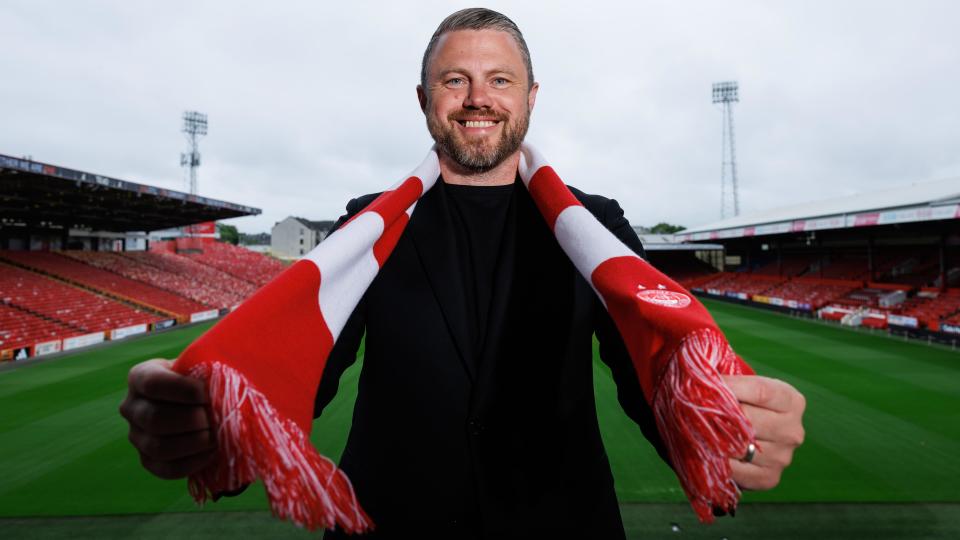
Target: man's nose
(477,97)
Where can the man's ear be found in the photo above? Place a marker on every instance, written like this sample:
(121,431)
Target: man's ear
(422,98)
(532,95)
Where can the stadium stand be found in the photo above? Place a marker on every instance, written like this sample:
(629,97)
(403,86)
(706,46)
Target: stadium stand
(945,307)
(104,287)
(69,305)
(790,265)
(104,281)
(917,269)
(905,289)
(886,258)
(870,259)
(741,282)
(19,328)
(683,267)
(814,292)
(238,262)
(893,261)
(163,272)
(909,266)
(848,266)
(235,290)
(861,297)
(929,307)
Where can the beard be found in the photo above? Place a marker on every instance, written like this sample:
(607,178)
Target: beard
(480,154)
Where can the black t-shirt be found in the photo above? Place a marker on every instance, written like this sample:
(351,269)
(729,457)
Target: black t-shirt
(480,219)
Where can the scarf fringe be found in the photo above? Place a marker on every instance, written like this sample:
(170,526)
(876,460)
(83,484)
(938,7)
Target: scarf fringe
(255,441)
(700,421)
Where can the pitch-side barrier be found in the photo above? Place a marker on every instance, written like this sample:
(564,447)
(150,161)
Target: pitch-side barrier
(81,341)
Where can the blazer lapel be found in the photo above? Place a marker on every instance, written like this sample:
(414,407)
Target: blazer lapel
(431,230)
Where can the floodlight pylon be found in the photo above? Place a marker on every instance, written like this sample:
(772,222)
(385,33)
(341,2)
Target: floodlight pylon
(194,126)
(726,94)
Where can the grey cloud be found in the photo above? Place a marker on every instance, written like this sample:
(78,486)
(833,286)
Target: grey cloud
(313,103)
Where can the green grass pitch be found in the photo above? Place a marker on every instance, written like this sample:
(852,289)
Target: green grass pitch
(881,459)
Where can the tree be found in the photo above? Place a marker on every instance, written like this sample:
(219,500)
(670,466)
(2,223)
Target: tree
(228,233)
(666,228)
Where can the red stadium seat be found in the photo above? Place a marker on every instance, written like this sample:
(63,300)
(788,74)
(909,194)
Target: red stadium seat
(105,281)
(41,300)
(242,263)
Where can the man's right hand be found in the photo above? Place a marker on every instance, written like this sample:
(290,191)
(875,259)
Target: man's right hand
(169,422)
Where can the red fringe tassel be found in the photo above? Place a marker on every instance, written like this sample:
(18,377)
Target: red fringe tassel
(701,422)
(254,441)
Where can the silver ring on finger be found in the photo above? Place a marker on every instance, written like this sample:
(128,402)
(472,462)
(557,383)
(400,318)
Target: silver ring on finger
(751,452)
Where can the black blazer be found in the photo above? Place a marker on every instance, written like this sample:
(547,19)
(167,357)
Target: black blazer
(501,446)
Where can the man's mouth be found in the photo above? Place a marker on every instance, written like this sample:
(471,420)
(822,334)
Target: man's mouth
(477,123)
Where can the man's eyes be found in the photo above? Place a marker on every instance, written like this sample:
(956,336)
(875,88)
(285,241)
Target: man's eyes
(460,81)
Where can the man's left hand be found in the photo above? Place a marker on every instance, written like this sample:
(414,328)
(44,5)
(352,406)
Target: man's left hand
(776,411)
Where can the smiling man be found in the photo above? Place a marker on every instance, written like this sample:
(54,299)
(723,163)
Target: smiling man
(475,413)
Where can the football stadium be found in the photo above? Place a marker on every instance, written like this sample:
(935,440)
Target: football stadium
(469,409)
(852,301)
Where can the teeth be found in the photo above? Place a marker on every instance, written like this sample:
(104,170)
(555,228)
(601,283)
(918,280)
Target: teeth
(479,124)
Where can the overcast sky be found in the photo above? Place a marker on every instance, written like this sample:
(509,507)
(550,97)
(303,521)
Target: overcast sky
(312,103)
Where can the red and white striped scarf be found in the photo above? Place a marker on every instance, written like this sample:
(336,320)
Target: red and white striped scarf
(264,361)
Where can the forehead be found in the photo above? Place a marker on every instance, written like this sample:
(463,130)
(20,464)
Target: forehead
(479,50)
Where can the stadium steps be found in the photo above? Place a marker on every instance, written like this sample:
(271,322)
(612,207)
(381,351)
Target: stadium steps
(39,315)
(213,284)
(130,301)
(752,284)
(252,267)
(193,256)
(790,264)
(102,262)
(22,329)
(186,284)
(65,303)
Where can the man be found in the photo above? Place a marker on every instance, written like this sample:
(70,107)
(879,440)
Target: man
(475,413)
